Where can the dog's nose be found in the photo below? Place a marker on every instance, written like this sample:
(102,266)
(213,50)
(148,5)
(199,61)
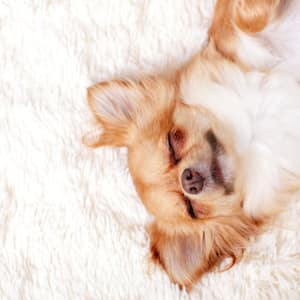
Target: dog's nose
(192,181)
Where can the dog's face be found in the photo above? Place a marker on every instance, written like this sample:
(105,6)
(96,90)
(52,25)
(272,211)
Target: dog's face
(185,170)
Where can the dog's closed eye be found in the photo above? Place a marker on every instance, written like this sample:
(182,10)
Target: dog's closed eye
(175,140)
(190,208)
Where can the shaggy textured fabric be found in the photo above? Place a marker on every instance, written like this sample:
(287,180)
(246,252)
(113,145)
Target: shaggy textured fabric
(71,225)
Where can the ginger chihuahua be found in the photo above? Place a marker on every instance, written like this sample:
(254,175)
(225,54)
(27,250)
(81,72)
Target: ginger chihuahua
(213,150)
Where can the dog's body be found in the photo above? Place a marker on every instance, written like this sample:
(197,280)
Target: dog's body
(213,151)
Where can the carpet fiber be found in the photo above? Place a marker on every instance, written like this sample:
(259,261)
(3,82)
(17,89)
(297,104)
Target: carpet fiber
(71,225)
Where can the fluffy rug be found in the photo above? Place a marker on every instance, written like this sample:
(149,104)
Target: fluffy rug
(71,225)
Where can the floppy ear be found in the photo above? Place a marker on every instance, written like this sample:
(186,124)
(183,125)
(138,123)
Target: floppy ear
(180,255)
(121,107)
(114,105)
(186,256)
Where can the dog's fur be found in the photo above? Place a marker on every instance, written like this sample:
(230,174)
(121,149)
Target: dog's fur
(233,114)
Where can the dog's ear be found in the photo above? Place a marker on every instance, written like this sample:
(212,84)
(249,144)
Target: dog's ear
(114,105)
(123,107)
(180,255)
(186,256)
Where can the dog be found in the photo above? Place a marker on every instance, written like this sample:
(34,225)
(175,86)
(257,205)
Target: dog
(212,149)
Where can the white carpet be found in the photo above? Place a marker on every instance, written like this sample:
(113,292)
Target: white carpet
(71,226)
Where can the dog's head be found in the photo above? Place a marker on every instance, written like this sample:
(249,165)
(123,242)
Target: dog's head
(185,171)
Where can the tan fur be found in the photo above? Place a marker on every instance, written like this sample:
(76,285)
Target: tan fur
(253,16)
(140,114)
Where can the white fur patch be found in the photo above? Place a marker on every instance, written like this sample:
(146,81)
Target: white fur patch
(255,52)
